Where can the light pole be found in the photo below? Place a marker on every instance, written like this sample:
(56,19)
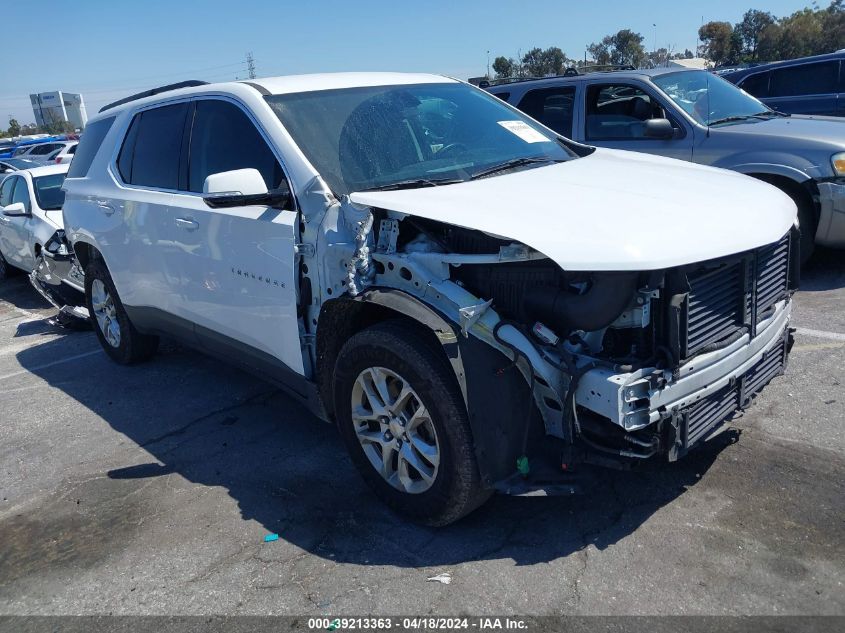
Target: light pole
(488,64)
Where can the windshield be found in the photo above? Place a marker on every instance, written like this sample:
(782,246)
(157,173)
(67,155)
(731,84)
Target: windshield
(709,99)
(411,135)
(48,191)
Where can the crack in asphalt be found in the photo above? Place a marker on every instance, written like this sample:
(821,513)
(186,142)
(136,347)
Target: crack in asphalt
(182,429)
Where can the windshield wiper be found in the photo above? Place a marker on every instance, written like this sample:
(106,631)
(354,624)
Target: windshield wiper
(743,117)
(510,164)
(414,183)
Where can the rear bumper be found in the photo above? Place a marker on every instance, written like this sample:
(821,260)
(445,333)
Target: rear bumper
(661,411)
(831,229)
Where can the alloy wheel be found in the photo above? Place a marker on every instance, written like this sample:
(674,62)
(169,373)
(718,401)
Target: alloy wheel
(105,312)
(395,430)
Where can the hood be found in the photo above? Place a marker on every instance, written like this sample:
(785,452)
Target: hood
(825,130)
(611,210)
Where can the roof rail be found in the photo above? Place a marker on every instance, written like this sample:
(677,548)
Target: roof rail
(572,71)
(190,83)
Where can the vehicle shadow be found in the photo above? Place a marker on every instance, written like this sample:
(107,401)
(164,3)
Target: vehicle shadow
(824,271)
(289,471)
(17,291)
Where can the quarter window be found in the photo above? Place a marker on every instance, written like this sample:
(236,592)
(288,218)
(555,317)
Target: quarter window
(552,107)
(224,138)
(88,146)
(151,151)
(805,79)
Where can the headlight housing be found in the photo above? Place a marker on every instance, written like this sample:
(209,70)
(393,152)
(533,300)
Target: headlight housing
(838,163)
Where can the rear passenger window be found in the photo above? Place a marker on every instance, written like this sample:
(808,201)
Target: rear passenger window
(805,79)
(553,107)
(757,85)
(88,146)
(224,138)
(150,153)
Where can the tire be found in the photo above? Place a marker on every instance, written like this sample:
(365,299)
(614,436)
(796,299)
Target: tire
(4,268)
(119,338)
(807,226)
(402,356)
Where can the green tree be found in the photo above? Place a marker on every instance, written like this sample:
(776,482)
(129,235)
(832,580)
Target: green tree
(504,67)
(721,44)
(14,127)
(751,28)
(625,47)
(555,60)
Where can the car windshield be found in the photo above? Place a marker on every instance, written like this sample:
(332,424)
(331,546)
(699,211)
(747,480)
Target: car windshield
(416,135)
(48,191)
(709,99)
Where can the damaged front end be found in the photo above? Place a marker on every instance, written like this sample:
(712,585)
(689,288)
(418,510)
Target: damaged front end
(58,278)
(558,367)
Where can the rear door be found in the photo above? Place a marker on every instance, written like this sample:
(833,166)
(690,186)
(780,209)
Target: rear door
(138,235)
(237,264)
(811,88)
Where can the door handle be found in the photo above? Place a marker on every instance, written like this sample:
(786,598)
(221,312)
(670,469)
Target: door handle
(187,223)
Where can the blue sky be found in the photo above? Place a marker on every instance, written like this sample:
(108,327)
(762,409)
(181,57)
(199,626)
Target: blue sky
(107,49)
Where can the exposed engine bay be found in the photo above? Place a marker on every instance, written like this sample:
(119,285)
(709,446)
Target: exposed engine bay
(621,366)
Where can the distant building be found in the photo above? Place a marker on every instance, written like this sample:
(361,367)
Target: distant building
(50,107)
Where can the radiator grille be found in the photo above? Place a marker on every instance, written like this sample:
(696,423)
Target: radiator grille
(707,414)
(772,275)
(731,298)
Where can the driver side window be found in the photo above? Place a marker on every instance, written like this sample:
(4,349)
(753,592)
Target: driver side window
(21,193)
(619,111)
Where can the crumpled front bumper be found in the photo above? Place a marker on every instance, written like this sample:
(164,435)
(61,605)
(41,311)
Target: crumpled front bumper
(634,400)
(831,229)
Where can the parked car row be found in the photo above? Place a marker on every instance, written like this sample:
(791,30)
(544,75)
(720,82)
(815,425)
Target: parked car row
(44,151)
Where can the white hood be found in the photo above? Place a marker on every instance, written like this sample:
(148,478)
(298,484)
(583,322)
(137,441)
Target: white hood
(612,210)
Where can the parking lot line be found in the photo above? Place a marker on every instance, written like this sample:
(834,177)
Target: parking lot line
(833,336)
(29,370)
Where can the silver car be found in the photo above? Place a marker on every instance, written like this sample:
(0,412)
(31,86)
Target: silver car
(697,116)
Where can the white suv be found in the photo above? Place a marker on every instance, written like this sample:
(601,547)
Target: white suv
(478,303)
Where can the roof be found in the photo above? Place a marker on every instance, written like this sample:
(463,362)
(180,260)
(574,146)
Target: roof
(46,170)
(738,74)
(273,85)
(332,81)
(616,74)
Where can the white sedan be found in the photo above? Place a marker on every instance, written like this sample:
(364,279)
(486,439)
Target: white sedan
(32,235)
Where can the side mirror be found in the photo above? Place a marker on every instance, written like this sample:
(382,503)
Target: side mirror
(16,209)
(241,188)
(659,129)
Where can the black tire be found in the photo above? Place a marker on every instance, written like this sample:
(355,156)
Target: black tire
(4,268)
(396,346)
(133,347)
(807,226)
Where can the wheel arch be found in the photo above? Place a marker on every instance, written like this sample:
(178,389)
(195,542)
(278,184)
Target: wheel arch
(496,399)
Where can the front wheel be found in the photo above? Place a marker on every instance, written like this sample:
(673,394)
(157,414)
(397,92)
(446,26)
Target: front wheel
(119,338)
(405,425)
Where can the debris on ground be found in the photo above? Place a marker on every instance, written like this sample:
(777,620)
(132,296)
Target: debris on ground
(271,537)
(445,578)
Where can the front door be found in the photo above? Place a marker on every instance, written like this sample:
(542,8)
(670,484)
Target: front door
(17,229)
(237,264)
(615,115)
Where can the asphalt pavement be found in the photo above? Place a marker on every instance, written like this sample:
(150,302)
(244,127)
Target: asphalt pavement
(150,489)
